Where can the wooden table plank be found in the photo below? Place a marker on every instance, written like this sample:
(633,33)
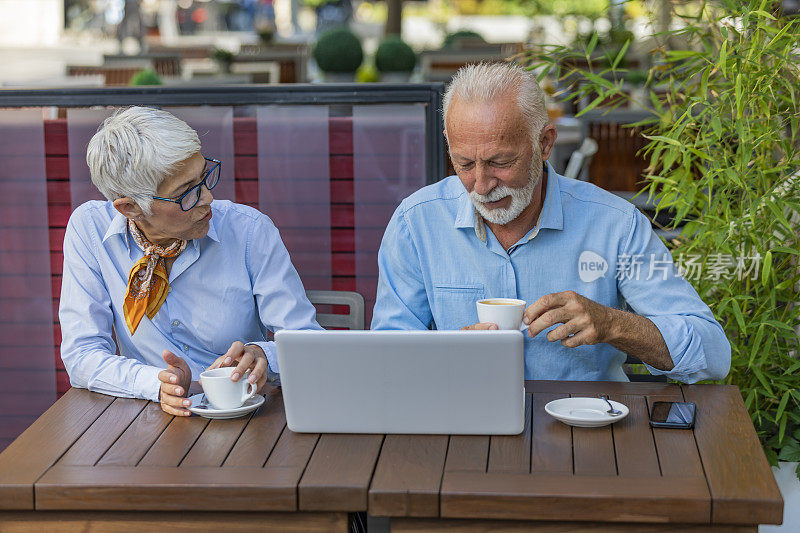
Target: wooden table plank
(175,442)
(742,486)
(147,488)
(420,525)
(467,452)
(408,476)
(260,436)
(137,439)
(337,476)
(293,450)
(512,453)
(555,497)
(676,448)
(593,388)
(39,446)
(634,447)
(552,440)
(157,522)
(99,437)
(593,450)
(216,442)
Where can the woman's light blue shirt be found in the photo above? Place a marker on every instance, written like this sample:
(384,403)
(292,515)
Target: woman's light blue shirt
(234,284)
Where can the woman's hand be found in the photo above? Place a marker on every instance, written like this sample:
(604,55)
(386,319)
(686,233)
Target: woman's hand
(245,357)
(175,381)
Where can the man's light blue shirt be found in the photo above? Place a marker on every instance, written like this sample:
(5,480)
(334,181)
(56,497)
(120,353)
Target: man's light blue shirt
(234,284)
(437,259)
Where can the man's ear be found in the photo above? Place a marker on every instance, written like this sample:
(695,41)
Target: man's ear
(128,208)
(547,139)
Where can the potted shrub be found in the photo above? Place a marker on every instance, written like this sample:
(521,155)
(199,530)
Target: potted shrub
(395,60)
(224,58)
(724,156)
(147,76)
(338,54)
(460,37)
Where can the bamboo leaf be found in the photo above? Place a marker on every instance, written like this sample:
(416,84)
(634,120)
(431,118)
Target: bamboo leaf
(738,96)
(716,125)
(781,407)
(723,58)
(763,14)
(662,138)
(621,54)
(698,153)
(592,44)
(766,269)
(778,35)
(756,343)
(763,381)
(599,80)
(786,250)
(782,429)
(737,313)
(594,103)
(681,54)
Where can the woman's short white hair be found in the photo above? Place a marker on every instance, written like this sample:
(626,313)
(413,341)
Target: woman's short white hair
(135,149)
(483,82)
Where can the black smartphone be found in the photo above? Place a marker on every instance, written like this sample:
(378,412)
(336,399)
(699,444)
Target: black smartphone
(676,415)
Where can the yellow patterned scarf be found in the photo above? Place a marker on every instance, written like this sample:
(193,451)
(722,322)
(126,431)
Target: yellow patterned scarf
(148,283)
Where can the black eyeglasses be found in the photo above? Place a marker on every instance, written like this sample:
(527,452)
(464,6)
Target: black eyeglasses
(190,198)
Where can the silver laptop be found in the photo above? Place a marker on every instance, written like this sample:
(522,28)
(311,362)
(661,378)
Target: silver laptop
(443,382)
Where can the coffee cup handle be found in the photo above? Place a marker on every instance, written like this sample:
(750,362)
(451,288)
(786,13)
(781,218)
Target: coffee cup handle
(250,392)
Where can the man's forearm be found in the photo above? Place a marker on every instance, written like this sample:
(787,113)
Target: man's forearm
(638,336)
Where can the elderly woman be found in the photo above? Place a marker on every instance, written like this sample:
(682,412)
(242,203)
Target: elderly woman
(161,281)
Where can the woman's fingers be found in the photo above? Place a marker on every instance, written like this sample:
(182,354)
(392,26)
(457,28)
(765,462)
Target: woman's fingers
(174,405)
(174,411)
(172,390)
(165,376)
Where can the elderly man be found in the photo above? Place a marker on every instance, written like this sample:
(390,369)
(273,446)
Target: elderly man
(161,281)
(508,226)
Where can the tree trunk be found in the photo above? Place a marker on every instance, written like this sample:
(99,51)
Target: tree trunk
(394,17)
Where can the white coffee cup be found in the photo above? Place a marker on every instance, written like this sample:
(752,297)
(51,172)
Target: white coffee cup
(505,312)
(222,393)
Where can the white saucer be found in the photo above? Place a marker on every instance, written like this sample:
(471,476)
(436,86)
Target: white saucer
(209,412)
(584,412)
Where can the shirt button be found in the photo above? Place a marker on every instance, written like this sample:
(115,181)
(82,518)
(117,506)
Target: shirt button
(176,323)
(185,347)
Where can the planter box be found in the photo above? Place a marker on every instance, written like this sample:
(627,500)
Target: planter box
(790,489)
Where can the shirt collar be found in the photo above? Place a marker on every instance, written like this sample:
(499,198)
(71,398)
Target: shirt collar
(552,215)
(119,226)
(212,228)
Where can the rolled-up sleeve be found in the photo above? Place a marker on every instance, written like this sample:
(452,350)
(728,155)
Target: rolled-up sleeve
(652,286)
(279,293)
(88,349)
(401,301)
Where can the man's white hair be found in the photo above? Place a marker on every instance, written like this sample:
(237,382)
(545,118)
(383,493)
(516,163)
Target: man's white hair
(484,82)
(135,149)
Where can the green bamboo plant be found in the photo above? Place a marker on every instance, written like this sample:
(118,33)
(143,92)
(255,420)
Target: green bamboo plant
(724,159)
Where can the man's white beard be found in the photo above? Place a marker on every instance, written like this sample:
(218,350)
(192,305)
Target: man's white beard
(520,198)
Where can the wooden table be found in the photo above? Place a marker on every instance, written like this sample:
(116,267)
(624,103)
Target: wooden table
(93,462)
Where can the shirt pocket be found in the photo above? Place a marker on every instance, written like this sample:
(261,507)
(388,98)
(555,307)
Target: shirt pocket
(454,304)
